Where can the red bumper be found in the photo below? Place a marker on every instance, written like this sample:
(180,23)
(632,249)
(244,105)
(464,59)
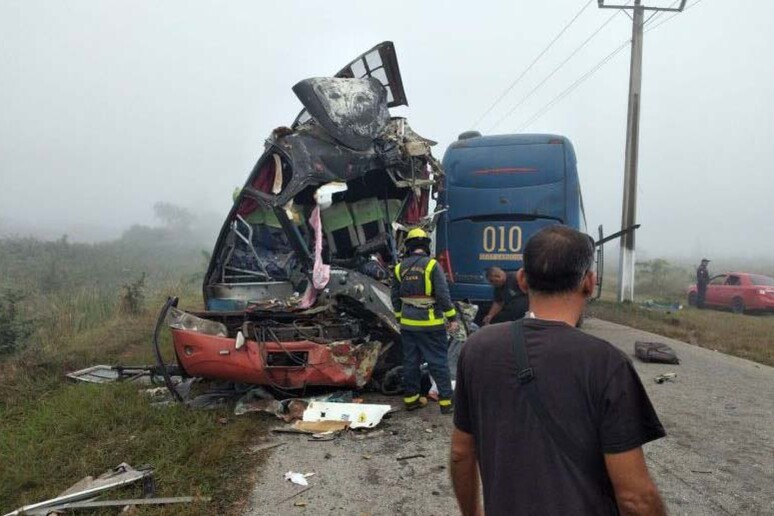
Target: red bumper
(289,365)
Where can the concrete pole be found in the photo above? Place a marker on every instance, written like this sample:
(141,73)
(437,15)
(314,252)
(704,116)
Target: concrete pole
(629,215)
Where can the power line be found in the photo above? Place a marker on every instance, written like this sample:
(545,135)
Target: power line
(697,2)
(532,64)
(573,86)
(561,65)
(542,111)
(657,14)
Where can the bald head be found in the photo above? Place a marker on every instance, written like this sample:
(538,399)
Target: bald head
(557,260)
(496,276)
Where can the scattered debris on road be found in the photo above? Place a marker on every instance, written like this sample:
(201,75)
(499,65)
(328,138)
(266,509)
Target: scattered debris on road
(357,415)
(655,352)
(409,457)
(665,377)
(294,495)
(298,478)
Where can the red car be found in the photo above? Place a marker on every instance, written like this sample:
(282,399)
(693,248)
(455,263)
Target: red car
(739,291)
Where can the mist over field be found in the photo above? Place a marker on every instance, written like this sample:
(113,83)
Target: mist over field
(110,107)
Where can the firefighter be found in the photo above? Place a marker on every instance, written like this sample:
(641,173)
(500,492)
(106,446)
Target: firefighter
(420,297)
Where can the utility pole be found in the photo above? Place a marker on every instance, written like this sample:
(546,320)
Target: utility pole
(629,209)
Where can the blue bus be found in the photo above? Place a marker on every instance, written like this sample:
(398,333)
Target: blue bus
(498,191)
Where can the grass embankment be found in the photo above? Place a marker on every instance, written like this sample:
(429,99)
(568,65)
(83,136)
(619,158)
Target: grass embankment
(54,432)
(745,336)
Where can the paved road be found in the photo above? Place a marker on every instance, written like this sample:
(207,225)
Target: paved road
(717,459)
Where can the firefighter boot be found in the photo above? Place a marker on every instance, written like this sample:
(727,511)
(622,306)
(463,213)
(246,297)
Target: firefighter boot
(447,406)
(414,402)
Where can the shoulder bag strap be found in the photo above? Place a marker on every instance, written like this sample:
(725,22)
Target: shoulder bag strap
(526,377)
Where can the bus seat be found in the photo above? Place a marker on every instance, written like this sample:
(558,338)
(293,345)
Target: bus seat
(339,228)
(369,218)
(394,207)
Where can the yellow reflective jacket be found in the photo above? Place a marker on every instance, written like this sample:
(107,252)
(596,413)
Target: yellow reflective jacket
(420,294)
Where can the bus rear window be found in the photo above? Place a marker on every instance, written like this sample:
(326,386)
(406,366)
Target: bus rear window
(506,166)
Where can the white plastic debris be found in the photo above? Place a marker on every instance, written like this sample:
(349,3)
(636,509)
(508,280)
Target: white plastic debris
(240,340)
(359,415)
(298,478)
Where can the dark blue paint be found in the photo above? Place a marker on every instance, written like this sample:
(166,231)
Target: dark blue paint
(502,181)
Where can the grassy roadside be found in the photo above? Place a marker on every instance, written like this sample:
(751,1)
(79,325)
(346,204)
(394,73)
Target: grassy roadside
(53,433)
(745,336)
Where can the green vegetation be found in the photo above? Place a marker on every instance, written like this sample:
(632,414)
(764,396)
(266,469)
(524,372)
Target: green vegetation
(663,281)
(14,328)
(77,305)
(745,336)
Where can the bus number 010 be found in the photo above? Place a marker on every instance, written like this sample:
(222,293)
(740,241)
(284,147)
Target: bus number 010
(502,239)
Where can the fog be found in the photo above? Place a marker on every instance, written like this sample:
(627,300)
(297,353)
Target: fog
(109,107)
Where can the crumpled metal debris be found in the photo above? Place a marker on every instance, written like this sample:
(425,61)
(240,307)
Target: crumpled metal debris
(665,377)
(87,488)
(289,410)
(258,400)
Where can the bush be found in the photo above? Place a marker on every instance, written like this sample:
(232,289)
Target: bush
(133,298)
(14,327)
(661,280)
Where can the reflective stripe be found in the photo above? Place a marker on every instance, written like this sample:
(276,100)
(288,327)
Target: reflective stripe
(397,272)
(429,277)
(445,403)
(419,302)
(450,313)
(412,322)
(411,399)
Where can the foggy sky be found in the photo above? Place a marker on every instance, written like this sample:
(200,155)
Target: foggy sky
(108,106)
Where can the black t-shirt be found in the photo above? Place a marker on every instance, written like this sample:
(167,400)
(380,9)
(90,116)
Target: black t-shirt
(510,291)
(588,387)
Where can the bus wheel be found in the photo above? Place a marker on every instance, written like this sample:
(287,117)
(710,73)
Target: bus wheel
(692,299)
(737,305)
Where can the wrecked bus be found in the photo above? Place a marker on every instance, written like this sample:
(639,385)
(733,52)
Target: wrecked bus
(296,293)
(497,192)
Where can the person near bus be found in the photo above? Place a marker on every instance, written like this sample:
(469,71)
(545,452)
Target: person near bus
(702,280)
(551,419)
(422,304)
(510,303)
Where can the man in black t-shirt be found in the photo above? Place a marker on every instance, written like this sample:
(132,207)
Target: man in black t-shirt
(510,302)
(586,387)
